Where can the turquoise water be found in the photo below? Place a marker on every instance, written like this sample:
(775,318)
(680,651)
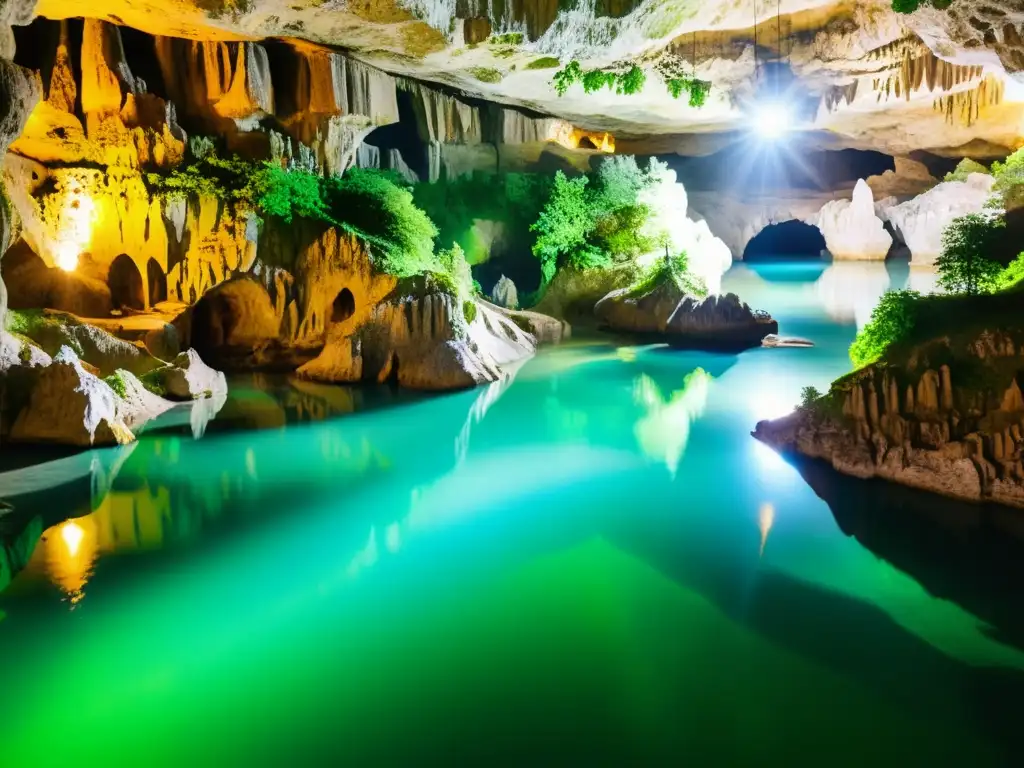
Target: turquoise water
(591,565)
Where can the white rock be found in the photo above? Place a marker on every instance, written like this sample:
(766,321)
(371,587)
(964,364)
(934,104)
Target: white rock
(188,377)
(920,222)
(851,229)
(504,294)
(70,406)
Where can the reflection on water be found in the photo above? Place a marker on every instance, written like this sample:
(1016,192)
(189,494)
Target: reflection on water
(591,560)
(663,431)
(849,290)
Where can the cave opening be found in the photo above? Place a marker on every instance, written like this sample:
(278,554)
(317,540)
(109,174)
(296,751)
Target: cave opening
(343,307)
(125,281)
(587,143)
(140,53)
(404,137)
(157,281)
(785,240)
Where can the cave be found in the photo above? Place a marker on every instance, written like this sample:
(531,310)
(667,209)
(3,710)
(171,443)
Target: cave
(784,240)
(610,464)
(157,282)
(343,306)
(126,286)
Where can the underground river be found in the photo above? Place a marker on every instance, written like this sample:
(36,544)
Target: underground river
(594,562)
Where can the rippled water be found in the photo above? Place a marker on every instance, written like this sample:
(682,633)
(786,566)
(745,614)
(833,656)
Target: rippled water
(592,565)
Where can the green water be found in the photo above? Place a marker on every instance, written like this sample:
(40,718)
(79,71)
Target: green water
(592,565)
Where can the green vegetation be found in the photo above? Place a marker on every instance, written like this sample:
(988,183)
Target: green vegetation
(117,383)
(469,310)
(964,169)
(564,227)
(487,74)
(544,62)
(47,330)
(1009,183)
(909,6)
(671,268)
(891,321)
(509,38)
(1011,276)
(963,265)
(628,83)
(155,382)
(809,397)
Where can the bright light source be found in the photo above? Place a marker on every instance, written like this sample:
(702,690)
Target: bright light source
(772,119)
(67,256)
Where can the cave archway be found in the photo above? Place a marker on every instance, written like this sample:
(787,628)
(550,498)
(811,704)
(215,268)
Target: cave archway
(786,240)
(344,306)
(157,281)
(125,281)
(587,143)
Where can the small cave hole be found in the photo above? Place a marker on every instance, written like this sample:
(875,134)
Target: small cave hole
(125,281)
(344,306)
(157,282)
(587,143)
(784,241)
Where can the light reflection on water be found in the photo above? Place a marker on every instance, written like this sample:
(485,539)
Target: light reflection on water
(591,561)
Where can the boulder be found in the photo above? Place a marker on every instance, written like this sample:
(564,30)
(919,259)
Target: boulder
(163,342)
(647,313)
(419,337)
(718,322)
(70,406)
(920,222)
(851,229)
(189,378)
(136,405)
(504,294)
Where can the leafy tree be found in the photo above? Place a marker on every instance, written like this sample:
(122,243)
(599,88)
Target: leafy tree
(809,397)
(287,194)
(963,265)
(892,320)
(564,227)
(1009,181)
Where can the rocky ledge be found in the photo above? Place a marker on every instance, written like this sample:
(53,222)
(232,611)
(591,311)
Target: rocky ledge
(949,418)
(666,313)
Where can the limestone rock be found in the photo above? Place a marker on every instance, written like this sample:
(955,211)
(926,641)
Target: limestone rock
(189,378)
(851,229)
(921,221)
(647,313)
(70,406)
(719,321)
(136,405)
(163,342)
(504,294)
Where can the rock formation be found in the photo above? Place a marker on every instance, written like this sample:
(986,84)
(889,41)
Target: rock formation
(954,428)
(504,293)
(851,229)
(920,222)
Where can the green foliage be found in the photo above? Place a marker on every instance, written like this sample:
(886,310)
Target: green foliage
(544,62)
(674,268)
(469,310)
(699,91)
(373,206)
(909,6)
(809,397)
(1012,275)
(117,383)
(632,82)
(287,194)
(964,169)
(891,321)
(563,228)
(509,38)
(487,74)
(1009,181)
(155,381)
(564,78)
(595,79)
(453,263)
(964,266)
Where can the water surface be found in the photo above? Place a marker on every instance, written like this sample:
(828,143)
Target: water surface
(591,565)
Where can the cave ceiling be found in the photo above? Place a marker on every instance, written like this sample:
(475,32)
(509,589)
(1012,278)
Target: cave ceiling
(950,82)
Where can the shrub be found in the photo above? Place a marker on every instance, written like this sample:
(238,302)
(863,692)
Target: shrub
(963,265)
(964,169)
(563,79)
(809,397)
(453,263)
(373,206)
(891,321)
(675,268)
(1009,181)
(116,382)
(469,310)
(1012,275)
(287,193)
(509,38)
(563,228)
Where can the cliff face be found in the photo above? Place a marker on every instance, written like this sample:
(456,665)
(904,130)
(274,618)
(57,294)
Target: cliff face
(953,427)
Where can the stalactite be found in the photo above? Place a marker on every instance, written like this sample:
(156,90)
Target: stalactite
(966,107)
